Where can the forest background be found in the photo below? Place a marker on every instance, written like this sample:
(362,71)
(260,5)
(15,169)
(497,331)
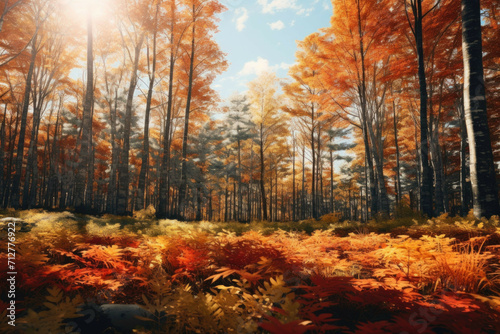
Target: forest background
(144,126)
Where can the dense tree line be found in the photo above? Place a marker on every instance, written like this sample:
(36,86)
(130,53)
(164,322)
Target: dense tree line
(115,115)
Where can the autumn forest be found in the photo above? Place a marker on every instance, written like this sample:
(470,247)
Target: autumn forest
(357,194)
(119,114)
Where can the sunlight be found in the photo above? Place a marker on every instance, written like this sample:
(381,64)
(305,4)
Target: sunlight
(78,8)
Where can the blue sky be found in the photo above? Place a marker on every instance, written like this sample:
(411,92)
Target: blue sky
(260,35)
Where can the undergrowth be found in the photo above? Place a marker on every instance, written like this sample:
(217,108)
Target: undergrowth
(313,276)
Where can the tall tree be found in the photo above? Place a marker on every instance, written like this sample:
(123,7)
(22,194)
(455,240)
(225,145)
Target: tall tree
(40,11)
(416,26)
(84,157)
(176,29)
(239,128)
(482,167)
(303,94)
(145,149)
(268,122)
(204,55)
(132,37)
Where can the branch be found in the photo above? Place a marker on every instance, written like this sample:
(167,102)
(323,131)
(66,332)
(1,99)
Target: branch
(433,7)
(408,19)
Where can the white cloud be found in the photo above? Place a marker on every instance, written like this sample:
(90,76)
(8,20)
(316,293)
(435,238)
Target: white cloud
(278,25)
(292,23)
(271,6)
(257,67)
(304,11)
(242,14)
(284,66)
(261,65)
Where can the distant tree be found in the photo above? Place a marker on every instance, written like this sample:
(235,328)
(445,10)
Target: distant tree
(268,122)
(204,56)
(239,129)
(303,95)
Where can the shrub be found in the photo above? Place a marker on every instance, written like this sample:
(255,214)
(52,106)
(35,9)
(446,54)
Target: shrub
(331,218)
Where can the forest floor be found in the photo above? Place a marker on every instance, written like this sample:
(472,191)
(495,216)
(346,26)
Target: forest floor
(110,274)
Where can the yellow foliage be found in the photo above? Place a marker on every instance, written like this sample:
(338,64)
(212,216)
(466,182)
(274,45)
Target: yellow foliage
(58,309)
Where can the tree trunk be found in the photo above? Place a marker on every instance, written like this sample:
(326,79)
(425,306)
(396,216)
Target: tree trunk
(123,170)
(164,190)
(464,167)
(16,182)
(271,217)
(426,173)
(331,181)
(86,141)
(276,195)
(32,163)
(398,168)
(303,191)
(313,155)
(240,194)
(183,187)
(294,217)
(145,149)
(115,154)
(262,176)
(2,155)
(482,167)
(53,174)
(437,164)
(10,163)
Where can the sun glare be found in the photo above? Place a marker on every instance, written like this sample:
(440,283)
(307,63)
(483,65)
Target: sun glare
(78,9)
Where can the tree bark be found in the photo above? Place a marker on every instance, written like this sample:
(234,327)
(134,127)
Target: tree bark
(183,187)
(145,149)
(53,171)
(294,211)
(115,154)
(482,167)
(2,154)
(398,168)
(313,155)
(464,167)
(426,199)
(16,182)
(262,176)
(364,116)
(123,167)
(86,141)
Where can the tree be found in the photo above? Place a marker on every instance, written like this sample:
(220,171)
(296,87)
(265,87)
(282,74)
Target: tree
(50,75)
(176,28)
(303,94)
(11,47)
(82,184)
(426,172)
(482,167)
(204,55)
(268,122)
(132,37)
(355,55)
(239,129)
(40,11)
(145,149)
(7,7)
